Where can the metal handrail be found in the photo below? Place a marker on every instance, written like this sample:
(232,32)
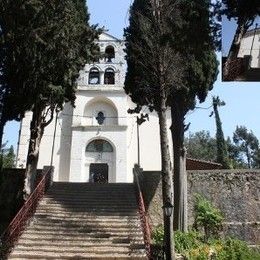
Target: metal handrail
(143,214)
(20,221)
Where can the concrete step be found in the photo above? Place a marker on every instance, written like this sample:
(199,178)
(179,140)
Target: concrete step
(88,207)
(79,224)
(91,186)
(100,201)
(90,212)
(79,236)
(81,249)
(70,239)
(92,197)
(87,217)
(84,229)
(78,247)
(84,221)
(75,256)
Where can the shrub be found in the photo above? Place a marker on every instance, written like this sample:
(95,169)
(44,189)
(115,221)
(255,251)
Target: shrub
(207,217)
(193,247)
(234,249)
(186,241)
(157,235)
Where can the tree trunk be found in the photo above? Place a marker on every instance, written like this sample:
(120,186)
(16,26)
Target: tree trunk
(33,151)
(180,221)
(167,183)
(248,157)
(235,46)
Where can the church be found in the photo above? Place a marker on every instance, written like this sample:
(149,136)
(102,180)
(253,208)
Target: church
(97,140)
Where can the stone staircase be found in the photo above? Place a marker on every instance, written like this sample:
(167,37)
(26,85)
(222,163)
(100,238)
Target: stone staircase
(84,221)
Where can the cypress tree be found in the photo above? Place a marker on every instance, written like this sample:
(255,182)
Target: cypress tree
(46,46)
(222,151)
(166,62)
(152,70)
(201,69)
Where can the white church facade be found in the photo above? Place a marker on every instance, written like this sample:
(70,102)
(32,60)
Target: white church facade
(250,47)
(97,140)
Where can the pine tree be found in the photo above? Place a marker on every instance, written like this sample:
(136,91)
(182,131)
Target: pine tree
(248,145)
(46,46)
(200,145)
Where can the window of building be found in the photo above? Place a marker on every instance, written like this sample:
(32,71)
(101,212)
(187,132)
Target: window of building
(100,118)
(109,76)
(94,77)
(109,53)
(97,53)
(99,146)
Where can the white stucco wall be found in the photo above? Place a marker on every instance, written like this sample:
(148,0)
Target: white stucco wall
(78,126)
(250,45)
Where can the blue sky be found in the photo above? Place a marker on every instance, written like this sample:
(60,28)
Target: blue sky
(242,99)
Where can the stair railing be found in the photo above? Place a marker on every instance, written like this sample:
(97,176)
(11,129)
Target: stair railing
(18,224)
(143,214)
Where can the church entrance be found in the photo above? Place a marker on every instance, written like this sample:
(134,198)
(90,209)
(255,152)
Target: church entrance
(100,162)
(98,172)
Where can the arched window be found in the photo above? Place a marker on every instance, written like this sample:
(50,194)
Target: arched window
(109,76)
(97,54)
(109,53)
(99,146)
(94,77)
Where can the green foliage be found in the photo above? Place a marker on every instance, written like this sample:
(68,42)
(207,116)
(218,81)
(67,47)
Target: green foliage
(248,146)
(200,145)
(43,48)
(222,153)
(234,249)
(152,61)
(241,10)
(157,235)
(8,157)
(186,241)
(192,246)
(207,217)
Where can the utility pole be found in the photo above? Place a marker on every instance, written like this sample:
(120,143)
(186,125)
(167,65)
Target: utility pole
(54,137)
(139,121)
(138,141)
(252,46)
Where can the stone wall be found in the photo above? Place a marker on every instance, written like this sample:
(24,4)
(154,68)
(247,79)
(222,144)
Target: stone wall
(234,192)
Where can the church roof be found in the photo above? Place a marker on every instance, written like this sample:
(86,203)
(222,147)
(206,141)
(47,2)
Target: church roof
(104,36)
(251,32)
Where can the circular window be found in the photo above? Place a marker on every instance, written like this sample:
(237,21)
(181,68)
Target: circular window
(100,118)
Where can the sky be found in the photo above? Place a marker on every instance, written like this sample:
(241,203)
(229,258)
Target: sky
(242,99)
